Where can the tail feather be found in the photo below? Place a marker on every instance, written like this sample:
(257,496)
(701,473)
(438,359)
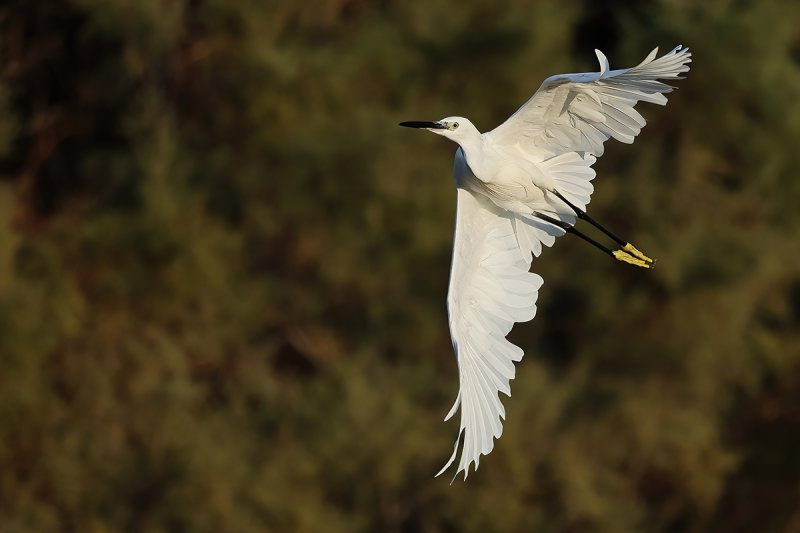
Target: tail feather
(573,174)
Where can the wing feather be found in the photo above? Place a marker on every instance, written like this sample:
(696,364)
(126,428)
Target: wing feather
(490,289)
(579,112)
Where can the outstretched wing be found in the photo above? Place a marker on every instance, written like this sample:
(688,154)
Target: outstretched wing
(579,112)
(490,290)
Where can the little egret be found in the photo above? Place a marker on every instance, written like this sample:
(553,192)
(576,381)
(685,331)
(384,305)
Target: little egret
(519,186)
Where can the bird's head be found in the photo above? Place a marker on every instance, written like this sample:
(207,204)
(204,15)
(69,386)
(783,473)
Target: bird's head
(454,128)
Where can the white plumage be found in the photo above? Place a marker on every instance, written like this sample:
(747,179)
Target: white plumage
(512,183)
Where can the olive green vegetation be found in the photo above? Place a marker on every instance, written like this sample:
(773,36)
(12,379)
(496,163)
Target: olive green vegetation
(223,270)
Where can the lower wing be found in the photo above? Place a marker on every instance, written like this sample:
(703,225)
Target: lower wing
(490,289)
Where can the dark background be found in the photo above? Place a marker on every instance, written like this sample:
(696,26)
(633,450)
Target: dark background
(223,271)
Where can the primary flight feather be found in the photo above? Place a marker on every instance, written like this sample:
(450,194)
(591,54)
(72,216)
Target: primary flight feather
(519,187)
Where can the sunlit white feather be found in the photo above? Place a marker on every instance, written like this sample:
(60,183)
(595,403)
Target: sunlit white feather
(557,135)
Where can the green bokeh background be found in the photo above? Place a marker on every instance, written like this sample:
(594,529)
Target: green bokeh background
(223,270)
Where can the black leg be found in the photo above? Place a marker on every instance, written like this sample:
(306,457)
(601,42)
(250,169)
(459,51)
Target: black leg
(569,229)
(626,246)
(619,255)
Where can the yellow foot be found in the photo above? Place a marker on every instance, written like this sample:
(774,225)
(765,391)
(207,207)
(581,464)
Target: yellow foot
(631,249)
(628,258)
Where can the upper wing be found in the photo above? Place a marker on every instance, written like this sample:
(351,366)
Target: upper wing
(490,289)
(579,112)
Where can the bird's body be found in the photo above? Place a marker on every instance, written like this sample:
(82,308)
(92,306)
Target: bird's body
(513,179)
(519,187)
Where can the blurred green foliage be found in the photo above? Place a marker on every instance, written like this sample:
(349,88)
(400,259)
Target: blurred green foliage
(223,270)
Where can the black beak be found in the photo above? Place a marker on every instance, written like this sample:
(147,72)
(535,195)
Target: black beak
(425,125)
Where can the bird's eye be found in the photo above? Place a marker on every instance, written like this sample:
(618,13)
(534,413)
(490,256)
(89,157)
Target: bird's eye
(455,125)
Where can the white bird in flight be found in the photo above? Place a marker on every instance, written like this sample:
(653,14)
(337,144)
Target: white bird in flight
(519,186)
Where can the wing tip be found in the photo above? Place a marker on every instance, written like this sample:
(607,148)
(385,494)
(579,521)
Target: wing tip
(453,409)
(603,60)
(452,458)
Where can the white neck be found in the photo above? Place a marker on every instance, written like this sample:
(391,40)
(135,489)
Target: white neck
(471,142)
